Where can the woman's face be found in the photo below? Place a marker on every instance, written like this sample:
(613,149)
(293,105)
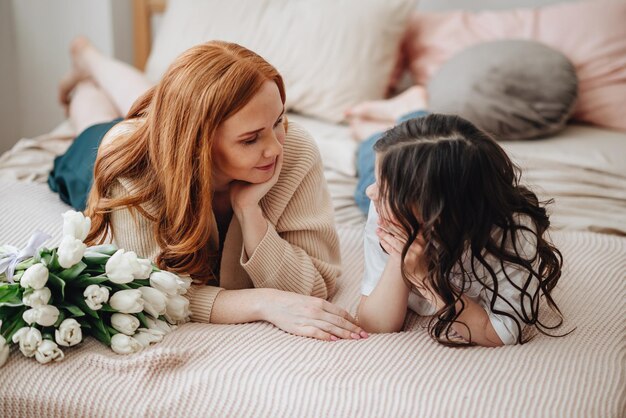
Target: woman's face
(248,143)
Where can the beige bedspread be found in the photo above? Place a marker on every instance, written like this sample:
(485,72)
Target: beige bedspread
(257,370)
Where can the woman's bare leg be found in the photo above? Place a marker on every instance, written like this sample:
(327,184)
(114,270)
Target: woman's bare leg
(414,98)
(90,105)
(122,83)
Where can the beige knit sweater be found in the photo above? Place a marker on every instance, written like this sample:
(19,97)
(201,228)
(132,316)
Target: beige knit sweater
(299,252)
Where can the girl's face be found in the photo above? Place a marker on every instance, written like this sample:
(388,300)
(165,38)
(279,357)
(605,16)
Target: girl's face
(373,192)
(248,143)
(380,204)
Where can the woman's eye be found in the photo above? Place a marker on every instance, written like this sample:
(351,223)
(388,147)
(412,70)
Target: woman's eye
(251,140)
(279,121)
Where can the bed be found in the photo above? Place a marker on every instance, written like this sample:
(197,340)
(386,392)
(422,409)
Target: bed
(257,370)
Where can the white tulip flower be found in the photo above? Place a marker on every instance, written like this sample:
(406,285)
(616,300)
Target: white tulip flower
(37,297)
(127,301)
(160,325)
(28,339)
(44,315)
(70,251)
(107,249)
(36,276)
(169,283)
(123,344)
(69,333)
(124,267)
(76,225)
(4,351)
(146,336)
(95,296)
(144,270)
(124,323)
(155,301)
(47,351)
(177,309)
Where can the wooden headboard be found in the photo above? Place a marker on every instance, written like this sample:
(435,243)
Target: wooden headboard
(143,10)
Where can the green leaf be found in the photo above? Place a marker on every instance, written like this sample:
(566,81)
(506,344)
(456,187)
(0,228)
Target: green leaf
(85,280)
(47,333)
(11,295)
(136,284)
(60,319)
(46,258)
(14,325)
(107,308)
(99,330)
(54,261)
(143,320)
(23,265)
(94,271)
(122,286)
(7,313)
(73,272)
(41,254)
(72,309)
(80,302)
(95,259)
(18,276)
(57,283)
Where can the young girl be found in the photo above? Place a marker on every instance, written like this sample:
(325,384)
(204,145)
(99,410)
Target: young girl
(452,234)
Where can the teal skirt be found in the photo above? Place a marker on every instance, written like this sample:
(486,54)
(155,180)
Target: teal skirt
(72,174)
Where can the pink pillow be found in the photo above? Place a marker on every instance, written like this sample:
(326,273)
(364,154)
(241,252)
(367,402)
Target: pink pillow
(592,34)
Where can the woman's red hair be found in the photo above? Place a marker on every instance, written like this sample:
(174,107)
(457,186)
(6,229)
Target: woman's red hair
(168,157)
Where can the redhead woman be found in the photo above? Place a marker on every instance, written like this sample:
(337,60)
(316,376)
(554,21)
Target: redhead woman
(205,177)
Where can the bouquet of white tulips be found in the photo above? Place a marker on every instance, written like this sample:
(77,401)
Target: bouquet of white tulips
(51,297)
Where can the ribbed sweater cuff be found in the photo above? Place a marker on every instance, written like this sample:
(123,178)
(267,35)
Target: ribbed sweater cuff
(201,299)
(267,259)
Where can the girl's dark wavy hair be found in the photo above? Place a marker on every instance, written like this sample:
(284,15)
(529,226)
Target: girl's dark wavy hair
(445,178)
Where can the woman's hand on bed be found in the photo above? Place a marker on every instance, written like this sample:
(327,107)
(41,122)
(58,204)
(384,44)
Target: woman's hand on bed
(308,316)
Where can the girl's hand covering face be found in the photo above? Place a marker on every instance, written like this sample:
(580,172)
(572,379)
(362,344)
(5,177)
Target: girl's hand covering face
(309,316)
(393,239)
(245,195)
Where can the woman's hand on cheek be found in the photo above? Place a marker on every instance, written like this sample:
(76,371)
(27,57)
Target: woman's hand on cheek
(308,316)
(245,196)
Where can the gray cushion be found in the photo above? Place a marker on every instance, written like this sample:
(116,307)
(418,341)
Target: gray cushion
(512,89)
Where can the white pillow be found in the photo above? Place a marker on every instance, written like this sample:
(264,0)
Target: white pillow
(332,54)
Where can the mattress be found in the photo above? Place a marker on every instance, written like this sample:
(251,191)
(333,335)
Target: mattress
(257,370)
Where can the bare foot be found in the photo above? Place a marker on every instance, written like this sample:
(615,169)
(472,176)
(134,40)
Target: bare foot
(362,129)
(412,99)
(79,72)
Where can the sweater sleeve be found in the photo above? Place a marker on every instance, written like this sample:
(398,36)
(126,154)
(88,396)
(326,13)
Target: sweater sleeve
(300,250)
(133,232)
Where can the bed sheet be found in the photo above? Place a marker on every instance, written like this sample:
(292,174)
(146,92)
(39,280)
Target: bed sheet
(257,370)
